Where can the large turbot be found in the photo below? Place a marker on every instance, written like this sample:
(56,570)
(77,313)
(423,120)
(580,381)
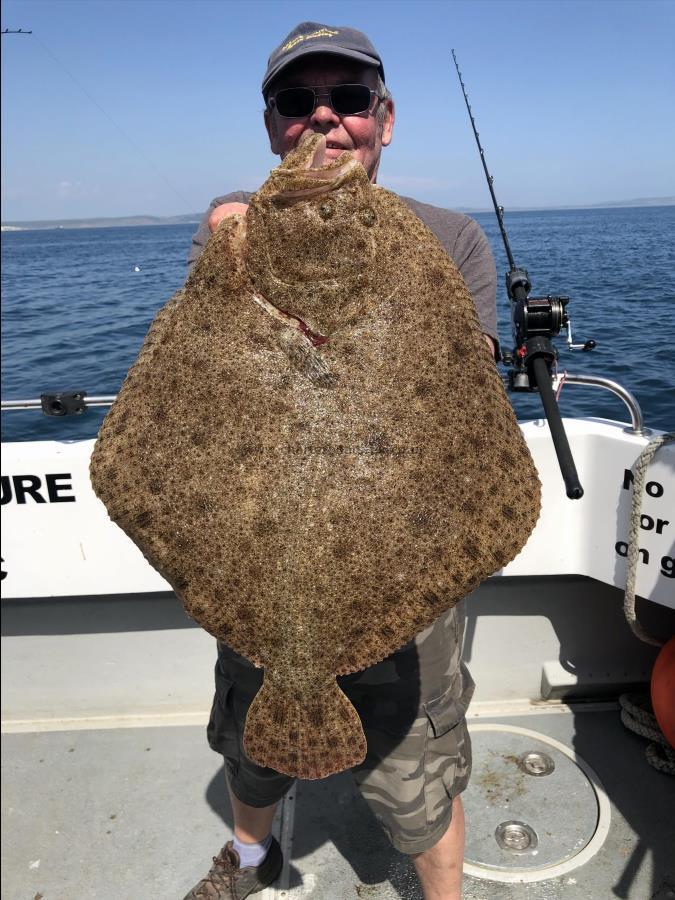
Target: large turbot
(315,449)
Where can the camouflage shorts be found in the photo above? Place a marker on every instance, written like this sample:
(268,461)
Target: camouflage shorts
(412,706)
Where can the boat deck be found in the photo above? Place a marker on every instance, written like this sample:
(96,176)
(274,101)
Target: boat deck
(110,790)
(137,813)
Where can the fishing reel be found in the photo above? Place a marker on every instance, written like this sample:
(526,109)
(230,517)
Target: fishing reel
(535,321)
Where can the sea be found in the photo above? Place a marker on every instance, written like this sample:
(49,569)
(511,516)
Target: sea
(77,303)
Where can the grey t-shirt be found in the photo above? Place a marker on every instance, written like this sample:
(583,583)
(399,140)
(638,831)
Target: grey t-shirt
(462,238)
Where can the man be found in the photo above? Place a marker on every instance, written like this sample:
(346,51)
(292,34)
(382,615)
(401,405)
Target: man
(331,80)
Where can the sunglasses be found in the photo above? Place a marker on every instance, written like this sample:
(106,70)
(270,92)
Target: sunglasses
(345,100)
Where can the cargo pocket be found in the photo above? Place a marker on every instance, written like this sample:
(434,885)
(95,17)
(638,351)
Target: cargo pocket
(449,709)
(444,712)
(448,755)
(222,731)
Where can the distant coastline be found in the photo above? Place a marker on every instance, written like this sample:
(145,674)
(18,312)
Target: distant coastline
(195,218)
(608,204)
(102,222)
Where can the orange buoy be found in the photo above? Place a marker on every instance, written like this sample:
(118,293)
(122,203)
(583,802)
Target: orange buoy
(663,690)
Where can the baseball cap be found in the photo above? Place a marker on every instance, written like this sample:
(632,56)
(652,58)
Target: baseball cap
(313,37)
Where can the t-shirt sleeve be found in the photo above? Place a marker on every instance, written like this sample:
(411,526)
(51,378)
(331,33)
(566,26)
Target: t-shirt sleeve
(203,233)
(473,257)
(466,244)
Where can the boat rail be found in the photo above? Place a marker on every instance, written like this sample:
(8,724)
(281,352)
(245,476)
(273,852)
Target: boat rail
(629,399)
(60,404)
(76,402)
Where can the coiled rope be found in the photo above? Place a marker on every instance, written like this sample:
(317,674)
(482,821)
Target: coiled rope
(636,712)
(637,717)
(640,477)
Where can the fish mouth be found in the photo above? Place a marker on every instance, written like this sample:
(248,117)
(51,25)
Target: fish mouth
(323,170)
(319,160)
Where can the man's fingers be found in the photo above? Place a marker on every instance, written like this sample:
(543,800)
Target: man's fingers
(225,209)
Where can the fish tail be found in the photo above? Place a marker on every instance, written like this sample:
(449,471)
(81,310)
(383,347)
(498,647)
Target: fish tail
(303,735)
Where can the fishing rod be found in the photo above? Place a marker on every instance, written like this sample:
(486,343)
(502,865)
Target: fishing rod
(535,321)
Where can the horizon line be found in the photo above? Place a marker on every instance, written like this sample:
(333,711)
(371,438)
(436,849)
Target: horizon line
(197,216)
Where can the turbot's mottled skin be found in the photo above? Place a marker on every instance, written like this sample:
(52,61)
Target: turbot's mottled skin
(315,449)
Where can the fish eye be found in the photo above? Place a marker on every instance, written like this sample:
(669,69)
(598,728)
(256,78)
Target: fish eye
(368,216)
(326,210)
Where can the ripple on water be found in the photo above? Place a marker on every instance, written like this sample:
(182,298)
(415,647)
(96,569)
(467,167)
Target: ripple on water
(75,313)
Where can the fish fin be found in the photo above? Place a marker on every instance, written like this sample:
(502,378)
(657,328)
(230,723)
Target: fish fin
(303,735)
(306,359)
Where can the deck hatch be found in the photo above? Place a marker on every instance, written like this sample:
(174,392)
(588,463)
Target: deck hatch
(533,808)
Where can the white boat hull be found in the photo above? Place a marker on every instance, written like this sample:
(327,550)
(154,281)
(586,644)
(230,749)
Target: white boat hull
(58,540)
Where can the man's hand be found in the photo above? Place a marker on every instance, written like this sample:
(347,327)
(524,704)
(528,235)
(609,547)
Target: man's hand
(225,209)
(490,342)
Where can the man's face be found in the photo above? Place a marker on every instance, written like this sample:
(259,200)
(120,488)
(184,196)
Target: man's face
(363,135)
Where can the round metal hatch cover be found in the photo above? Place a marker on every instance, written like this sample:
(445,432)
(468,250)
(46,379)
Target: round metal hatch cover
(522,826)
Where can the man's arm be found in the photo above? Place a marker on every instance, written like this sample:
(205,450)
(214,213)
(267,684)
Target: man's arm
(233,203)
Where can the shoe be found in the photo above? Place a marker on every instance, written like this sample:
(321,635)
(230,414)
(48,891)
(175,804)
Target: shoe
(226,881)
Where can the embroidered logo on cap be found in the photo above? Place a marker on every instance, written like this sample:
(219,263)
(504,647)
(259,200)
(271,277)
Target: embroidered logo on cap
(322,32)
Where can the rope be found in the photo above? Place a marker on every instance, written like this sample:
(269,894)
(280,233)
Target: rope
(636,715)
(632,555)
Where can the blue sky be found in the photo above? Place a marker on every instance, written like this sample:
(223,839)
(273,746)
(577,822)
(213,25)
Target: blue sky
(124,107)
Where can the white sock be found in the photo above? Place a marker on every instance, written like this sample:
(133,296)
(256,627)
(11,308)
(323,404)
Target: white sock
(252,854)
